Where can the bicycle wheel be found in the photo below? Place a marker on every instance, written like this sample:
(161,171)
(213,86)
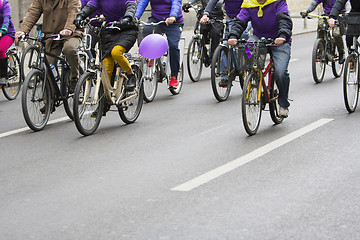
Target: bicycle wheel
(195,59)
(251,103)
(150,79)
(87,112)
(180,79)
(220,72)
(12,89)
(274,105)
(337,68)
(29,59)
(69,97)
(130,110)
(318,61)
(351,83)
(36,100)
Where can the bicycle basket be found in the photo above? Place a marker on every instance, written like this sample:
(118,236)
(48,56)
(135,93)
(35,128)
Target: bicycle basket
(353,22)
(251,55)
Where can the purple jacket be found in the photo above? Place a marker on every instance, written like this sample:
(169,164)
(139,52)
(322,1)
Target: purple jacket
(327,5)
(84,2)
(113,10)
(161,9)
(232,7)
(5,15)
(268,25)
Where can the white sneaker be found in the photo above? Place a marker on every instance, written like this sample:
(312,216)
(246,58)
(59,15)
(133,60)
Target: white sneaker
(283,112)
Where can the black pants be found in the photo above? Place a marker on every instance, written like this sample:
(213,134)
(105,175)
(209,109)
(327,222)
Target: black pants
(212,31)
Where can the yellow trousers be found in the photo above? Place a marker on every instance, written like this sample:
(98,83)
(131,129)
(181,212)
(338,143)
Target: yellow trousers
(117,54)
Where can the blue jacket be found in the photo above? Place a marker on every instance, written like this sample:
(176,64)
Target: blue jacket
(161,9)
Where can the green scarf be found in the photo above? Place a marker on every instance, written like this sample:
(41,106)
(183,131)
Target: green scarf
(254,4)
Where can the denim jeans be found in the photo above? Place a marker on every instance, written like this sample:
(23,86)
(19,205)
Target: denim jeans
(281,56)
(173,34)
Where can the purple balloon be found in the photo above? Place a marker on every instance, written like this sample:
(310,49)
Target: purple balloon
(153,46)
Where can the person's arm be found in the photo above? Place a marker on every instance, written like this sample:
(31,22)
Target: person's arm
(338,6)
(210,6)
(175,8)
(284,21)
(32,16)
(74,7)
(130,9)
(239,26)
(141,6)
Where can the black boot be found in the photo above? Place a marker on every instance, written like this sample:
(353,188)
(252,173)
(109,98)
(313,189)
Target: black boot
(3,71)
(131,83)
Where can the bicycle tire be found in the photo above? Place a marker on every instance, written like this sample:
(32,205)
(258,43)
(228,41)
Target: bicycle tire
(87,114)
(336,67)
(29,59)
(318,61)
(180,79)
(195,59)
(220,93)
(251,106)
(36,100)
(351,83)
(274,104)
(12,89)
(129,111)
(69,100)
(150,79)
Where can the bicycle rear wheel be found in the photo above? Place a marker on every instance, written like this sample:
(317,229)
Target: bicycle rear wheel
(274,104)
(336,67)
(195,59)
(180,80)
(318,61)
(150,79)
(220,73)
(87,112)
(130,110)
(351,83)
(36,100)
(29,59)
(251,103)
(12,89)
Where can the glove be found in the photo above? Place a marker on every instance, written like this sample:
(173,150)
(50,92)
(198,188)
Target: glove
(78,20)
(125,23)
(304,14)
(186,7)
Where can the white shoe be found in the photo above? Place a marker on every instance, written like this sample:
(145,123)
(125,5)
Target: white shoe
(283,112)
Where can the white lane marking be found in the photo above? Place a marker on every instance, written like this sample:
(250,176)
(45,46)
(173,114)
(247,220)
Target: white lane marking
(12,132)
(219,171)
(293,60)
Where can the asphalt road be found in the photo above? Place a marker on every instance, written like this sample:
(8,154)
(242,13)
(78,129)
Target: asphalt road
(296,180)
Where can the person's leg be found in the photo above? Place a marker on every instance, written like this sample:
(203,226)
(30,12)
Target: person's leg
(150,29)
(5,43)
(281,57)
(117,54)
(215,34)
(70,51)
(339,43)
(204,30)
(173,33)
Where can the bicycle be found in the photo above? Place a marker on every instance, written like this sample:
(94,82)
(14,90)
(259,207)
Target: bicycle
(325,51)
(43,91)
(197,54)
(12,88)
(259,85)
(352,64)
(158,70)
(95,92)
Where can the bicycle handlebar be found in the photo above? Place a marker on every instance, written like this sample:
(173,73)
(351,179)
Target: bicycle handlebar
(152,23)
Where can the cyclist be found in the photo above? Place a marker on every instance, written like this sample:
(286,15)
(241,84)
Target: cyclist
(270,19)
(116,42)
(338,6)
(7,32)
(174,21)
(57,19)
(214,29)
(327,5)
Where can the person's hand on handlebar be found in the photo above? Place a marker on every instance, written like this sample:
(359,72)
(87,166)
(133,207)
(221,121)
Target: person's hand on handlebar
(66,32)
(204,19)
(170,20)
(186,7)
(232,41)
(18,35)
(279,40)
(331,22)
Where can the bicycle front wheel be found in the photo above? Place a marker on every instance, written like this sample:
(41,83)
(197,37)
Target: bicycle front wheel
(130,110)
(36,100)
(274,104)
(337,68)
(180,79)
(251,103)
(88,111)
(220,73)
(29,59)
(12,89)
(318,60)
(195,59)
(351,83)
(150,79)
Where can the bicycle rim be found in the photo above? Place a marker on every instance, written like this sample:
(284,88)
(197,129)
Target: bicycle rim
(318,61)
(150,79)
(274,104)
(180,80)
(29,59)
(351,83)
(337,68)
(36,100)
(12,89)
(251,104)
(194,59)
